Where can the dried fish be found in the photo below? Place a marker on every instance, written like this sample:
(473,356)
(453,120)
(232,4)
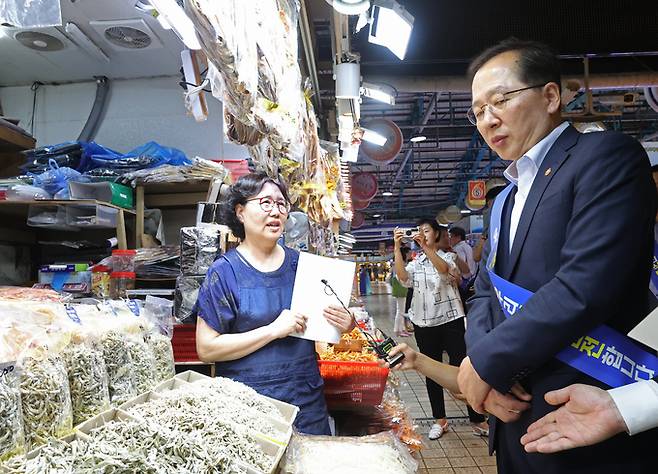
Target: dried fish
(143,364)
(119,365)
(240,393)
(12,439)
(163,354)
(88,380)
(204,405)
(45,397)
(120,447)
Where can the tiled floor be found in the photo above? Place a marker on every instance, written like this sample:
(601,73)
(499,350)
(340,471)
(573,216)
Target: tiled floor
(458,450)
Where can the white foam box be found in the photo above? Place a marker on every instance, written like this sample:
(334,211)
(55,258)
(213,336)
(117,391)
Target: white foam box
(105,417)
(35,452)
(171,384)
(143,398)
(288,411)
(271,449)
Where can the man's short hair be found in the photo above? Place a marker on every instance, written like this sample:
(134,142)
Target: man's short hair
(458,231)
(538,62)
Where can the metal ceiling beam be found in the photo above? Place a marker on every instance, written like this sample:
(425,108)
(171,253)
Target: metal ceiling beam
(426,116)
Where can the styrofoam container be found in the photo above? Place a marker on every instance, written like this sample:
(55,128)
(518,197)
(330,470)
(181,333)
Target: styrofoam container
(35,452)
(288,411)
(171,384)
(105,417)
(271,449)
(143,398)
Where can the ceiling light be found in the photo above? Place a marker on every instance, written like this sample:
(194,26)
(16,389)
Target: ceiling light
(465,211)
(348,78)
(350,7)
(418,138)
(387,194)
(391,26)
(373,137)
(180,23)
(380,92)
(376,215)
(83,41)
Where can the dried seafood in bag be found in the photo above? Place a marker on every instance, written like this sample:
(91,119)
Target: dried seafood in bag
(88,381)
(143,363)
(45,396)
(12,439)
(119,365)
(163,354)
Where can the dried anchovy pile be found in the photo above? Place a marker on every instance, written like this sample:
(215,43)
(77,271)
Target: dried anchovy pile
(240,393)
(143,365)
(163,354)
(129,447)
(198,417)
(12,440)
(87,380)
(45,398)
(119,365)
(188,403)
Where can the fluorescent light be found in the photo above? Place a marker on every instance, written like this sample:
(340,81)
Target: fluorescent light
(391,26)
(181,24)
(418,138)
(376,215)
(373,137)
(465,211)
(350,7)
(83,41)
(387,194)
(382,93)
(348,77)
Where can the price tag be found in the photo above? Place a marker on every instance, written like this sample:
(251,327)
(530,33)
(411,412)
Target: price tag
(72,314)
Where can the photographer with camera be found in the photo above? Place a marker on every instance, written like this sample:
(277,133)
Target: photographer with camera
(436,309)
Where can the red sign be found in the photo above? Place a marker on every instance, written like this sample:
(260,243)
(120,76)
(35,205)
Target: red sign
(477,190)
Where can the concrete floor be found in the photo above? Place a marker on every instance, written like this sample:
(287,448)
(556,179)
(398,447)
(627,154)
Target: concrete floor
(458,450)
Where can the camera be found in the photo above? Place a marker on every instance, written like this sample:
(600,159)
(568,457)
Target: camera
(410,232)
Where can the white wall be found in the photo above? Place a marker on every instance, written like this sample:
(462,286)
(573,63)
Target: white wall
(138,110)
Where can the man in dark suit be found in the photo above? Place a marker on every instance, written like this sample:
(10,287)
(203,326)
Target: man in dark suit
(575,232)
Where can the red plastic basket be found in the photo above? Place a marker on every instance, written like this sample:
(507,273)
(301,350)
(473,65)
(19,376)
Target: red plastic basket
(352,384)
(237,168)
(184,343)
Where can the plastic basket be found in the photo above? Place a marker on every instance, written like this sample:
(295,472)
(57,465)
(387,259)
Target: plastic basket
(184,343)
(352,384)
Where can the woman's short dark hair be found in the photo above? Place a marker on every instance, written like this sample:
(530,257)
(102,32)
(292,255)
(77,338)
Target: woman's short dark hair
(538,62)
(245,187)
(434,225)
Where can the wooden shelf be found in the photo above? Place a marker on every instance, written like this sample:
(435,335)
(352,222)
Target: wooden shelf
(19,209)
(12,139)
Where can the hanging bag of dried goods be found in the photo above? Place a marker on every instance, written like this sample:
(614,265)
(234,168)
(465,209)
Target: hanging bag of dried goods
(158,311)
(87,374)
(12,439)
(44,387)
(114,346)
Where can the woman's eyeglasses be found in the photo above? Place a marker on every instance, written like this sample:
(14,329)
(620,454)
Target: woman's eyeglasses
(267,204)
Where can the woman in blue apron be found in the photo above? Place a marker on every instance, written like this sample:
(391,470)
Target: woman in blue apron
(244,323)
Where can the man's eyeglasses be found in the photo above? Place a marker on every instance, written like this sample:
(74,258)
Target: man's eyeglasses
(496,104)
(267,204)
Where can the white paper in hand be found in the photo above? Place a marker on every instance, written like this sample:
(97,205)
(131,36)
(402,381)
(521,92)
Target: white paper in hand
(309,297)
(647,331)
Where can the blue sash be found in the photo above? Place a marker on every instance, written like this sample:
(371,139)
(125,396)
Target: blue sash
(603,353)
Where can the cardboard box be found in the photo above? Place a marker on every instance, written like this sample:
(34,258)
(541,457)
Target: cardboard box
(114,193)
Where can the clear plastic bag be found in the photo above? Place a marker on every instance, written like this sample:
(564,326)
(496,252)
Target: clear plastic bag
(199,247)
(381,453)
(143,362)
(159,312)
(12,437)
(45,394)
(119,363)
(24,192)
(88,380)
